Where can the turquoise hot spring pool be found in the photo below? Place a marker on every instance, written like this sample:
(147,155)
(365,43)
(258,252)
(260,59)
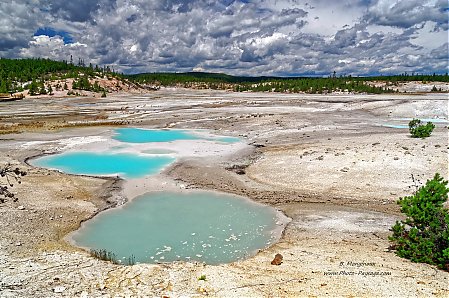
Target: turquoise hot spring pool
(202,226)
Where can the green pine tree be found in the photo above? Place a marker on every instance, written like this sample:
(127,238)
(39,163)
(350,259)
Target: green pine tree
(42,89)
(424,235)
(33,88)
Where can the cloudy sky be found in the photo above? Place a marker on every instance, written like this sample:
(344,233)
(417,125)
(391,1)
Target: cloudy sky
(240,37)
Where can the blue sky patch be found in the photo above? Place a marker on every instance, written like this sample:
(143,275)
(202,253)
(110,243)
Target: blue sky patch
(52,32)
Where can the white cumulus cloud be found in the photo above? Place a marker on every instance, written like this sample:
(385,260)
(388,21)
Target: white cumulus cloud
(283,37)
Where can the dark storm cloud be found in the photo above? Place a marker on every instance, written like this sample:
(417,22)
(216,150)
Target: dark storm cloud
(408,13)
(440,52)
(77,10)
(18,22)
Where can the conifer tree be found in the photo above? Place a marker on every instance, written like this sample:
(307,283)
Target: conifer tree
(424,235)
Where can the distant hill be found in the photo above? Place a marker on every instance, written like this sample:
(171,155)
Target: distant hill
(32,77)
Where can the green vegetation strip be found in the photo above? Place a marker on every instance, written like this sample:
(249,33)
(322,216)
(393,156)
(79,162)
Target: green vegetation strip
(16,75)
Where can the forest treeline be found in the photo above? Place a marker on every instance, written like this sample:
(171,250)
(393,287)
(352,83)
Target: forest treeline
(17,75)
(285,84)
